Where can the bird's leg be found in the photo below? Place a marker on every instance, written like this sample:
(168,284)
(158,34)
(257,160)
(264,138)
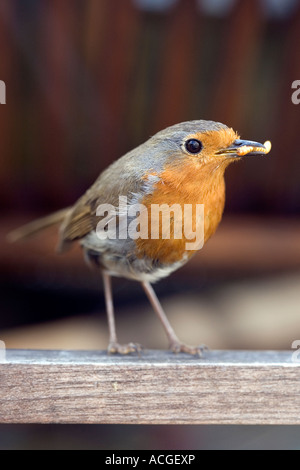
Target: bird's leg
(114,346)
(175,344)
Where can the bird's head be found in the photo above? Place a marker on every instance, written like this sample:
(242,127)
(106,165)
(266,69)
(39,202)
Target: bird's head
(206,144)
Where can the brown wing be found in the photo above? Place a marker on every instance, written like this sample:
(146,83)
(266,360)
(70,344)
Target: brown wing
(82,219)
(78,223)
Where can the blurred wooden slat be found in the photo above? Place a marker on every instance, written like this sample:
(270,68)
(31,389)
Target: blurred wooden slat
(284,178)
(96,25)
(141,100)
(242,38)
(113,69)
(176,65)
(57,87)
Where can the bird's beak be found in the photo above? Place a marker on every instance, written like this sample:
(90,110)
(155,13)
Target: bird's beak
(239,148)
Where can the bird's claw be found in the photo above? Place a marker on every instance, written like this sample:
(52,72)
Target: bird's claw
(116,348)
(193,350)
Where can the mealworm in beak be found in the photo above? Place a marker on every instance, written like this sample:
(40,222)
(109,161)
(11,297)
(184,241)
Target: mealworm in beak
(245,149)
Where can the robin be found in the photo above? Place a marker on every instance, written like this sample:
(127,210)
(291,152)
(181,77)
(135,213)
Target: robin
(181,166)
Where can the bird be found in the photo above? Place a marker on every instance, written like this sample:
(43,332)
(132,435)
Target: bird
(180,166)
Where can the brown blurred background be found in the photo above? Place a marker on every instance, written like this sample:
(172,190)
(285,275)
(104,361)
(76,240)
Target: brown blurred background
(88,80)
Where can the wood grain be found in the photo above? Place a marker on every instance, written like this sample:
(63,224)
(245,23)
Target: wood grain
(236,387)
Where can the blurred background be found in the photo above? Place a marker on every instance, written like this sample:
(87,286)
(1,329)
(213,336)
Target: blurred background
(88,80)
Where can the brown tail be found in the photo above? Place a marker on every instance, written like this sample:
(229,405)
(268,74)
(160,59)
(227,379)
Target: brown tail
(37,225)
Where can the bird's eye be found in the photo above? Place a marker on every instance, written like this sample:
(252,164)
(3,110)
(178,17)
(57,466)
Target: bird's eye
(193,146)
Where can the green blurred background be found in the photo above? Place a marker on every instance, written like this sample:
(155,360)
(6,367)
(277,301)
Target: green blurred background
(86,81)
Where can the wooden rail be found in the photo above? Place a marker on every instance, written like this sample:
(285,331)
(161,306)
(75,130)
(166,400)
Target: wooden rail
(233,387)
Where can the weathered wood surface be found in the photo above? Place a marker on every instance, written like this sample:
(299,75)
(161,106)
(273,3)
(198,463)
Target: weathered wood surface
(234,387)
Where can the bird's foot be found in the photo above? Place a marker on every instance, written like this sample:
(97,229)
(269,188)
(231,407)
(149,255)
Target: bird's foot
(116,348)
(178,347)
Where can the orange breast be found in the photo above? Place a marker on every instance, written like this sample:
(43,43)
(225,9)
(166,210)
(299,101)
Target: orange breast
(182,185)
